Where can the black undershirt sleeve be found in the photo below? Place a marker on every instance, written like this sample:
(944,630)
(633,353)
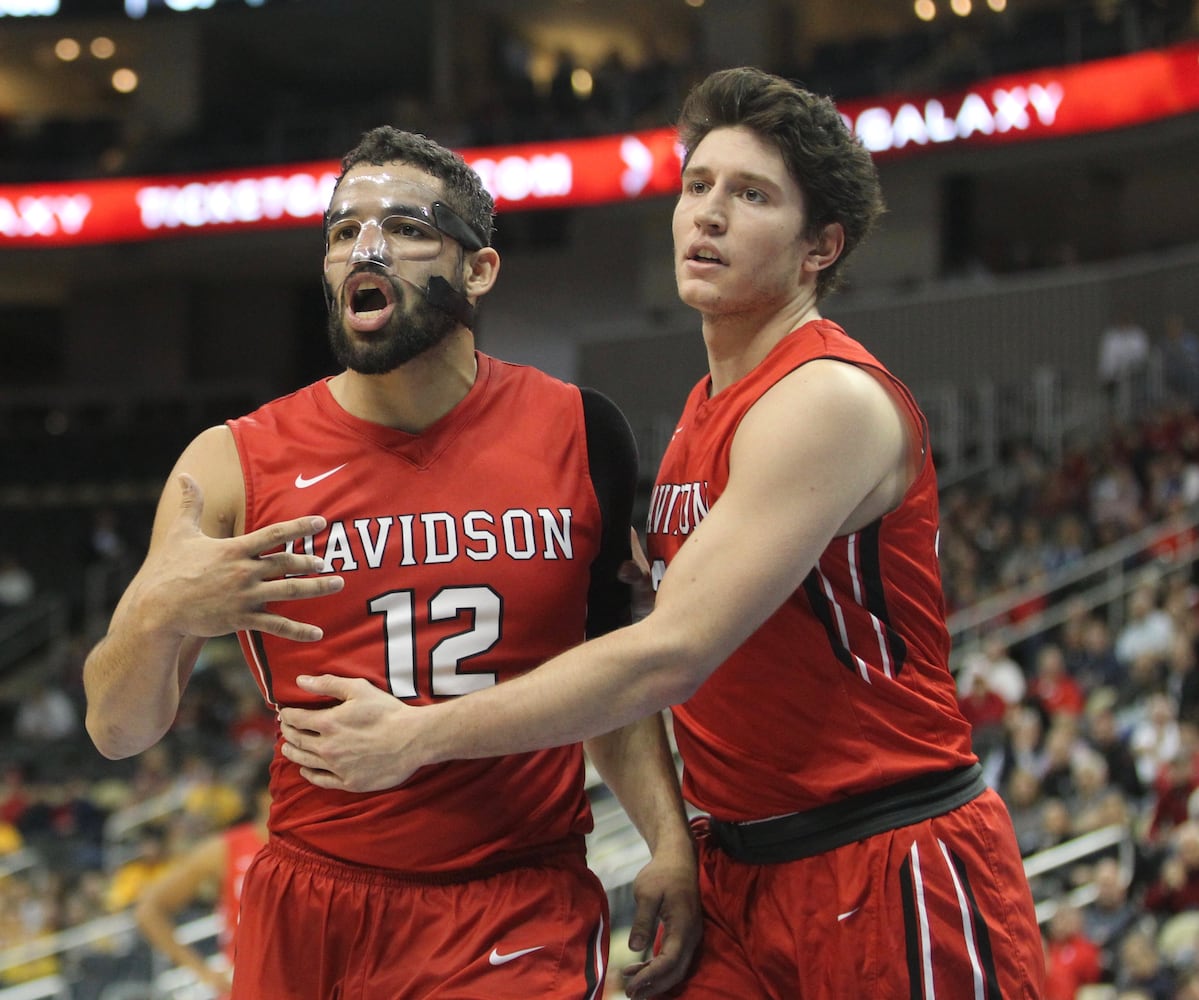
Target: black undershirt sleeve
(612,459)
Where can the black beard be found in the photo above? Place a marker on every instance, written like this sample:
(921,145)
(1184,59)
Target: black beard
(409,332)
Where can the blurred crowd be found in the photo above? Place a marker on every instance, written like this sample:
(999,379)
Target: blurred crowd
(81,837)
(1093,724)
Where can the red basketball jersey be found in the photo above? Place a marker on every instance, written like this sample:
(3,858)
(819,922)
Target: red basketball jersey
(466,552)
(242,844)
(846,688)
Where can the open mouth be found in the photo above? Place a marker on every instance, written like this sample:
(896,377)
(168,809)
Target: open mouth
(704,255)
(370,299)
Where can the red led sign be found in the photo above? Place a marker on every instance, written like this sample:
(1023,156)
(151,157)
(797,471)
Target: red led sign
(1109,94)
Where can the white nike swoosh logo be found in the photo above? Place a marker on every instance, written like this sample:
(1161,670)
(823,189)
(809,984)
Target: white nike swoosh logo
(848,913)
(495,958)
(303,484)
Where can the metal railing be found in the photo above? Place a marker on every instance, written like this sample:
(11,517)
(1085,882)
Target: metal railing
(1099,581)
(44,623)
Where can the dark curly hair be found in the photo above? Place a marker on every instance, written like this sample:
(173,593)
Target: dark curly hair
(464,191)
(832,168)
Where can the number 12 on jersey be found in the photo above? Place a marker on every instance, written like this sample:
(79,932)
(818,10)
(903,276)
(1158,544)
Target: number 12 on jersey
(478,607)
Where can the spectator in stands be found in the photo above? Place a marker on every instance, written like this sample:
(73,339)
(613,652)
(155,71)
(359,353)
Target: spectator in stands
(1176,887)
(1156,739)
(17,586)
(1149,629)
(47,715)
(1091,655)
(1072,960)
(1052,689)
(106,542)
(212,869)
(109,558)
(1088,801)
(253,725)
(1022,792)
(1182,678)
(25,918)
(1018,482)
(1022,749)
(1069,544)
(209,801)
(77,821)
(994,663)
(1111,915)
(1144,679)
(154,773)
(1180,359)
(1114,500)
(1029,557)
(15,793)
(1141,968)
(1058,758)
(1173,787)
(1056,828)
(11,840)
(985,711)
(1123,359)
(1103,733)
(130,878)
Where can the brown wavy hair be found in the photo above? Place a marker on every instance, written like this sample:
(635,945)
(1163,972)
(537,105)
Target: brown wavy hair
(834,171)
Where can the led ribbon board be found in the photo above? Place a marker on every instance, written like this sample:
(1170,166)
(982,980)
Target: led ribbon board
(1051,103)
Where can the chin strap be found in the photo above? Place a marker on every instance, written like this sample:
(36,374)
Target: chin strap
(440,294)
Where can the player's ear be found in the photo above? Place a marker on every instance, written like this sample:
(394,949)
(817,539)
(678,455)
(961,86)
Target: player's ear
(825,248)
(482,268)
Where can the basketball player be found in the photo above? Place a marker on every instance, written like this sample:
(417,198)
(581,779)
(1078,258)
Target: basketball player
(221,859)
(852,849)
(451,521)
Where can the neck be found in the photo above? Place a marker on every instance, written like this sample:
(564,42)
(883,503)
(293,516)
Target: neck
(418,393)
(738,343)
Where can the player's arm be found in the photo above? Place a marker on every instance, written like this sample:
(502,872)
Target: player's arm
(197,581)
(635,761)
(825,451)
(159,905)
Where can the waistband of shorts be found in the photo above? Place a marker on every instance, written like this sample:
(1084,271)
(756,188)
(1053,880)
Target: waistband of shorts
(307,859)
(815,831)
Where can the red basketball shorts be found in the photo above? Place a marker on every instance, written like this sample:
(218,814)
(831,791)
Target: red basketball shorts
(939,910)
(314,929)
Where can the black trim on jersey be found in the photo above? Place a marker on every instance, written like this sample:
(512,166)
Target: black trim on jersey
(981,938)
(876,595)
(875,603)
(592,963)
(911,931)
(260,650)
(612,463)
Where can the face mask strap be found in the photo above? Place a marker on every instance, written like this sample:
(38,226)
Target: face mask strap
(454,226)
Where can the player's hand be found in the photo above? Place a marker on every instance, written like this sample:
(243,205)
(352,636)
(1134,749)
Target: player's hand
(218,980)
(215,586)
(636,573)
(359,744)
(666,893)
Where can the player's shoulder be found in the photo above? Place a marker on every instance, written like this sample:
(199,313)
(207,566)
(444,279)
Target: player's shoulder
(212,447)
(212,460)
